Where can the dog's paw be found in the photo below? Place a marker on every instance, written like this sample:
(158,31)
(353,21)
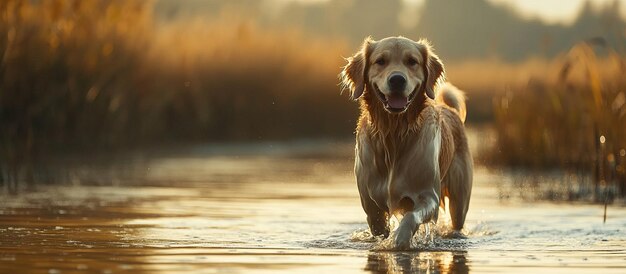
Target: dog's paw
(456,234)
(402,239)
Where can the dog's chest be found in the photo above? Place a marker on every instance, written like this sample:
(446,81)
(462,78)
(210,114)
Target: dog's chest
(382,165)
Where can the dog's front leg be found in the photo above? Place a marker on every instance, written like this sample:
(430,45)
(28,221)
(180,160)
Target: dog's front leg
(376,217)
(371,185)
(424,211)
(408,226)
(415,186)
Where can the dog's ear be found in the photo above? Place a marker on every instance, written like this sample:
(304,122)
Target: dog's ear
(433,68)
(354,73)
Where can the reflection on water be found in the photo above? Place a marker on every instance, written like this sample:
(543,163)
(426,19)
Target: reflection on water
(417,262)
(287,209)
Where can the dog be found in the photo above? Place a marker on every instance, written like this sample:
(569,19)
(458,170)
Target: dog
(411,148)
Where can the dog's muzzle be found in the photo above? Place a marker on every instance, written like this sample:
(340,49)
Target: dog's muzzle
(395,101)
(396,83)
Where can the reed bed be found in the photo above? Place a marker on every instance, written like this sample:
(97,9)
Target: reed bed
(84,76)
(80,77)
(572,120)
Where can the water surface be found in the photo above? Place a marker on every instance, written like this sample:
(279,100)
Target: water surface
(290,208)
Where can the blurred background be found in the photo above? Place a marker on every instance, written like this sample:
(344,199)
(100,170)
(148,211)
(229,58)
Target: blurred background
(88,81)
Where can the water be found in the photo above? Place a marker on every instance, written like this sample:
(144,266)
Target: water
(292,208)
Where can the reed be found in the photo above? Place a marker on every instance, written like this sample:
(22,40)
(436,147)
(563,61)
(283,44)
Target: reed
(84,76)
(78,77)
(572,120)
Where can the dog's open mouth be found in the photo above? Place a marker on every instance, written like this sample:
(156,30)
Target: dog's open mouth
(394,103)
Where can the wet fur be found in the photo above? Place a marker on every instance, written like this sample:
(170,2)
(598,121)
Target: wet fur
(405,162)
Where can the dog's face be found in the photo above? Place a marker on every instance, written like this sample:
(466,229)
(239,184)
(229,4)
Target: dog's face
(395,69)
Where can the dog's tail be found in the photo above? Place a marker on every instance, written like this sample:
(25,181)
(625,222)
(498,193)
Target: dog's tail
(453,97)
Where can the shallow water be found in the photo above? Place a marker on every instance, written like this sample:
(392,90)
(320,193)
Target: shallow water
(285,208)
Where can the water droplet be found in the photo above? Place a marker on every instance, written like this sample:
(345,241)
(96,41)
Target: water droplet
(426,232)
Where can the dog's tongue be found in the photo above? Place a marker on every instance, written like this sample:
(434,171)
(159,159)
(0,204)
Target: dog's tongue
(397,101)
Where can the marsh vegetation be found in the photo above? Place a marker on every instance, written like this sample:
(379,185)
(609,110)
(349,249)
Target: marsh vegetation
(107,78)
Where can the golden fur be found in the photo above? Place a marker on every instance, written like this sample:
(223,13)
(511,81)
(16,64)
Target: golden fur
(412,150)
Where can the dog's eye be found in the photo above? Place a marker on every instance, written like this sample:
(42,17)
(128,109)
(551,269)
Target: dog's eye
(381,61)
(411,62)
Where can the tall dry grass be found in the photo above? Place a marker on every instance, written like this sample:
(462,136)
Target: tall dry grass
(61,68)
(485,78)
(81,76)
(572,118)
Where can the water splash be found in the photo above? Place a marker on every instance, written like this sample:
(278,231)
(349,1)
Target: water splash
(363,235)
(424,238)
(429,236)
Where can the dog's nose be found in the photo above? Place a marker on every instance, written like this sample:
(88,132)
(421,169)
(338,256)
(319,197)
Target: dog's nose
(397,82)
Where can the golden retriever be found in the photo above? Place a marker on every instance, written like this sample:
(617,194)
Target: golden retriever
(411,148)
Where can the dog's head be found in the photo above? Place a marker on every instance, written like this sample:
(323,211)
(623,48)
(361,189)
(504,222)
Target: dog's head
(396,69)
